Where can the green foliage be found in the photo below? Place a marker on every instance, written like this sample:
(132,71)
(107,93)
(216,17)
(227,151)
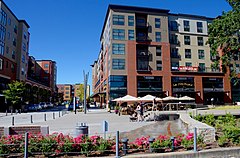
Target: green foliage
(222,140)
(15,92)
(224,34)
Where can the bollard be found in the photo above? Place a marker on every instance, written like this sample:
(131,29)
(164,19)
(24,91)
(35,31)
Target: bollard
(151,140)
(45,117)
(62,113)
(26,146)
(53,115)
(195,139)
(11,112)
(59,114)
(20,111)
(31,119)
(6,113)
(13,121)
(125,148)
(172,139)
(117,144)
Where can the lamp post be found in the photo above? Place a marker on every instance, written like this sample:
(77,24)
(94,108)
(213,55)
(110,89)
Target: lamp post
(85,90)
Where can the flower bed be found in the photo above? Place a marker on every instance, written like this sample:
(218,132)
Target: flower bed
(59,144)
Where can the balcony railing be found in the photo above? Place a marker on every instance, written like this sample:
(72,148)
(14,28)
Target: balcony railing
(144,68)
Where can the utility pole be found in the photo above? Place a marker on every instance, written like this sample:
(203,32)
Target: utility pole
(85,90)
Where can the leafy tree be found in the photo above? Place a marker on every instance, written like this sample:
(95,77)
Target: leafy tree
(80,92)
(224,34)
(15,93)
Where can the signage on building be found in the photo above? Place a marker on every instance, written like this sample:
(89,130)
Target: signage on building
(182,84)
(188,68)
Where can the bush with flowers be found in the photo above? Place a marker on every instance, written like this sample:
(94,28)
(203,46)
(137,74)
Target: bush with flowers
(58,144)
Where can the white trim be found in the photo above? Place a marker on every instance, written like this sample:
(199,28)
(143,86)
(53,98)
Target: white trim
(7,77)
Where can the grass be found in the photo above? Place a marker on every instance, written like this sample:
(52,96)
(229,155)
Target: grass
(225,107)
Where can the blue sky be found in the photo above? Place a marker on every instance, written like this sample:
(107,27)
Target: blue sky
(68,31)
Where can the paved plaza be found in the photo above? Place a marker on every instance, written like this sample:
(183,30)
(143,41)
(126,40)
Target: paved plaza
(94,118)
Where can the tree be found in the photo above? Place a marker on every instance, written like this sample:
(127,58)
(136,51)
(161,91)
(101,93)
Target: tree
(15,93)
(224,34)
(80,92)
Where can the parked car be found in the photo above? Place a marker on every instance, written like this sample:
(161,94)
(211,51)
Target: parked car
(50,105)
(43,105)
(31,107)
(70,107)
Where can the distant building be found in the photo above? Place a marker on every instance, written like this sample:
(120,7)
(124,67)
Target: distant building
(66,90)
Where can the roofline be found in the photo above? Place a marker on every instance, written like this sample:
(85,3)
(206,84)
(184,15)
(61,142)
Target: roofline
(131,8)
(14,14)
(46,60)
(192,16)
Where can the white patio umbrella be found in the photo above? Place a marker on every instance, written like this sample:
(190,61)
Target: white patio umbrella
(158,99)
(126,98)
(186,98)
(147,98)
(169,98)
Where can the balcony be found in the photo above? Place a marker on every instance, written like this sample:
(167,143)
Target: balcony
(143,39)
(143,68)
(176,56)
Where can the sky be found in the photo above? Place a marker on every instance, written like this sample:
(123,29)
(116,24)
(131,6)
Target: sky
(68,31)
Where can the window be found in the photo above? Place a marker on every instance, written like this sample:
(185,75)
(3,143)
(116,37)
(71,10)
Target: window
(201,67)
(200,41)
(12,68)
(158,36)
(118,48)
(201,54)
(188,53)
(9,21)
(3,18)
(174,39)
(159,51)
(157,23)
(67,96)
(2,47)
(67,92)
(159,64)
(46,65)
(67,88)
(130,20)
(14,42)
(130,34)
(2,32)
(118,64)
(174,53)
(199,27)
(187,40)
(23,58)
(15,28)
(22,71)
(25,35)
(24,47)
(186,25)
(119,34)
(173,26)
(188,64)
(13,54)
(1,64)
(118,19)
(9,35)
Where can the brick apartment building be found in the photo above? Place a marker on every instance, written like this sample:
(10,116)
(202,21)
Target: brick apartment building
(152,51)
(14,56)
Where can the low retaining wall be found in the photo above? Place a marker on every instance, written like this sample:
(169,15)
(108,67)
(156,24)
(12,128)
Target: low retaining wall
(14,130)
(203,129)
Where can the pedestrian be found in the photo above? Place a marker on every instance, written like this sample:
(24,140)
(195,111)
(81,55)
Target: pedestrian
(141,111)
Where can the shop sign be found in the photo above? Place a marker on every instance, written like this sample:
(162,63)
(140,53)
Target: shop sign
(188,68)
(182,84)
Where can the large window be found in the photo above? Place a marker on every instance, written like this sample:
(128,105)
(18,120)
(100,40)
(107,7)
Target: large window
(174,39)
(159,65)
(118,19)
(118,64)
(130,34)
(117,86)
(182,84)
(173,26)
(158,36)
(13,54)
(200,41)
(3,18)
(2,32)
(118,48)
(14,42)
(15,28)
(188,64)
(157,23)
(199,27)
(187,40)
(23,58)
(186,25)
(159,51)
(149,85)
(118,34)
(130,20)
(201,54)
(188,53)
(174,53)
